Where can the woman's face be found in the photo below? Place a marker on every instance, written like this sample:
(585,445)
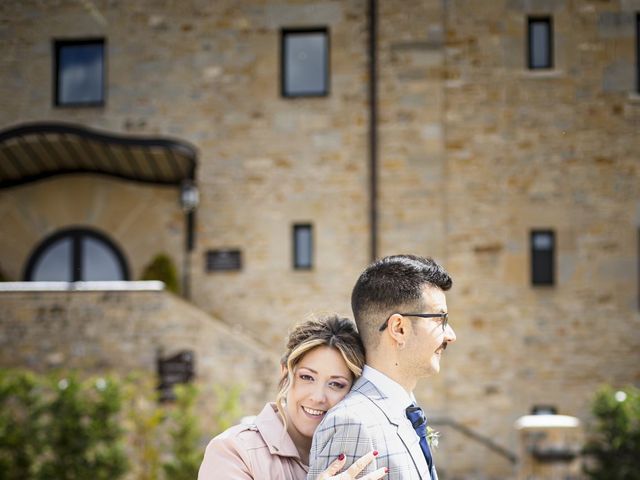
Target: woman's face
(320,380)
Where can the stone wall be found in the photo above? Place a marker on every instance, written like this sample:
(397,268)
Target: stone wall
(122,332)
(548,149)
(475,151)
(208,73)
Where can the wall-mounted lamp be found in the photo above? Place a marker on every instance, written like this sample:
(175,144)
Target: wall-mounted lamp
(189,196)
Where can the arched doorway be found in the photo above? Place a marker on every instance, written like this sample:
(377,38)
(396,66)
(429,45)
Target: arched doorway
(77,254)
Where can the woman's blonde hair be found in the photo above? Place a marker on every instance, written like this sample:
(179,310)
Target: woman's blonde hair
(329,331)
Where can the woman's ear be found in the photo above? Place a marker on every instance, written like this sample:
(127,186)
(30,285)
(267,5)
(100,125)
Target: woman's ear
(283,369)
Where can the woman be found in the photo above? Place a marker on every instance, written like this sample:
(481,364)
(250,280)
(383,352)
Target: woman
(322,359)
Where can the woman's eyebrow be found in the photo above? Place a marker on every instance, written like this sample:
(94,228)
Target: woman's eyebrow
(310,369)
(332,376)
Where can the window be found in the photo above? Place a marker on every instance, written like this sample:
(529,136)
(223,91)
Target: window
(542,257)
(76,255)
(638,52)
(79,72)
(540,50)
(304,60)
(302,247)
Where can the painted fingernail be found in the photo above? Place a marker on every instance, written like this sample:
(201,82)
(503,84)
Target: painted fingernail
(341,456)
(375,453)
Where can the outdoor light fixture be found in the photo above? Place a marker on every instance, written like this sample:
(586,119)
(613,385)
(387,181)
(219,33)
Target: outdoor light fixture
(189,196)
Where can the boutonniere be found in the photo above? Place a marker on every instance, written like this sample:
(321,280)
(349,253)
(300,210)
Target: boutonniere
(432,437)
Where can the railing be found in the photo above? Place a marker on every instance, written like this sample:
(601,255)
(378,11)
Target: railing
(478,437)
(122,286)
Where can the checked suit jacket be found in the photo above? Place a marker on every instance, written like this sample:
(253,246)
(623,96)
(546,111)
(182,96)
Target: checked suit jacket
(366,419)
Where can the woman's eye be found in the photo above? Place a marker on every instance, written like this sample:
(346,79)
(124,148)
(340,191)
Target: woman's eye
(304,376)
(338,385)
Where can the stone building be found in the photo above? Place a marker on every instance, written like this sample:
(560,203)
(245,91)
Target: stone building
(499,137)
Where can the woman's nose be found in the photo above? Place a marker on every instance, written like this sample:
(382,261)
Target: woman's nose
(319,394)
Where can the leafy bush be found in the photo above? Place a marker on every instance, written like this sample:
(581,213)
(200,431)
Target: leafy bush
(185,436)
(613,450)
(57,426)
(162,268)
(227,407)
(143,418)
(21,429)
(62,428)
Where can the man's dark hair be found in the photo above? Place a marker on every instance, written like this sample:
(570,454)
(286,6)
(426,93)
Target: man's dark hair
(390,284)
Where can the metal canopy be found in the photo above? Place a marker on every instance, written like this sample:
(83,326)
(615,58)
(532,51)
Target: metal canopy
(34,151)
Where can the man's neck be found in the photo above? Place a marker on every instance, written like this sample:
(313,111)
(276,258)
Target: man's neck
(392,370)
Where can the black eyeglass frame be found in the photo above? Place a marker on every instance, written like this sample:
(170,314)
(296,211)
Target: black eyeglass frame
(443,316)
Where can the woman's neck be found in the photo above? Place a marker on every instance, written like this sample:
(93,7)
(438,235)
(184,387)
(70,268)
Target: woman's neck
(302,442)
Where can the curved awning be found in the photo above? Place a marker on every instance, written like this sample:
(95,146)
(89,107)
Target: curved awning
(34,151)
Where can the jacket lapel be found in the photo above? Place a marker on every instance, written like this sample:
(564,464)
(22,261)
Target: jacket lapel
(395,416)
(411,442)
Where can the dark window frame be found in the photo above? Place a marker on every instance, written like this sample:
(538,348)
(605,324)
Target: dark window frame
(58,44)
(638,52)
(294,231)
(550,47)
(284,32)
(76,235)
(538,277)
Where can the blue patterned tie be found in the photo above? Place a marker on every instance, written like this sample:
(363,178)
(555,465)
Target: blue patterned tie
(419,422)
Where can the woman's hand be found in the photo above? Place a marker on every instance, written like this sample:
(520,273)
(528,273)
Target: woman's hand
(352,472)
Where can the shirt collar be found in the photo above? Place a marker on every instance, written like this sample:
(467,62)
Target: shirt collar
(395,392)
(274,434)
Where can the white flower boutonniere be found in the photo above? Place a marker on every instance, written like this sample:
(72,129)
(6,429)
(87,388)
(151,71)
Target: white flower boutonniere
(432,437)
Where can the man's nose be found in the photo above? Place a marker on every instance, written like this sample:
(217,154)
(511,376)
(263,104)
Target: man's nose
(449,334)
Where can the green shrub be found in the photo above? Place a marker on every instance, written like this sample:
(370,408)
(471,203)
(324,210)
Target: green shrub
(162,268)
(186,454)
(226,407)
(59,427)
(613,449)
(143,419)
(21,430)
(62,428)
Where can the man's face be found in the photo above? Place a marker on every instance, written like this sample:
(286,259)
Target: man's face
(429,340)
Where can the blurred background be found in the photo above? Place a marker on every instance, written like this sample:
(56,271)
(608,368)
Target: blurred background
(255,156)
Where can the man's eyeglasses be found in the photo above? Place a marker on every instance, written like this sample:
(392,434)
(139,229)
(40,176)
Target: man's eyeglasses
(443,316)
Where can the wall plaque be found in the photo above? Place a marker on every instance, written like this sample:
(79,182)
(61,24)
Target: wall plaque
(223,260)
(172,370)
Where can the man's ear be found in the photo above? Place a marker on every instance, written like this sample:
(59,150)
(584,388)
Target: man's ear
(397,327)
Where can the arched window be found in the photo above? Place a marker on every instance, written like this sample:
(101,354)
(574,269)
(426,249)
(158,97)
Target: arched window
(76,255)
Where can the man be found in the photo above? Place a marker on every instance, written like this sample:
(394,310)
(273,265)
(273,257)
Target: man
(400,308)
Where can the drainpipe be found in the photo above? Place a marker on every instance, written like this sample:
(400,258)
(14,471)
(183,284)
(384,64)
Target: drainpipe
(373,129)
(189,199)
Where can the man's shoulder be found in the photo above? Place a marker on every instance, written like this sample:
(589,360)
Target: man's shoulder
(355,407)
